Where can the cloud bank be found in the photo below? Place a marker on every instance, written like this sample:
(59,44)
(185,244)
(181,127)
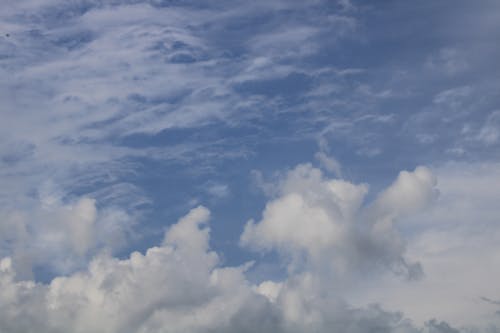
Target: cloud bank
(329,239)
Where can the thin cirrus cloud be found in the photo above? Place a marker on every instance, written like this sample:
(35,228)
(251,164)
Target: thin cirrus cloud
(117,117)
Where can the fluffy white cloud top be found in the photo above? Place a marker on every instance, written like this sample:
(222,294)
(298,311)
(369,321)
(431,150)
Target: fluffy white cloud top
(324,224)
(333,242)
(457,242)
(60,237)
(175,287)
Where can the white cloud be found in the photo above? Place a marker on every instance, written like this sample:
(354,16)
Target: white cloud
(456,241)
(61,237)
(454,237)
(410,193)
(343,252)
(177,287)
(270,289)
(322,223)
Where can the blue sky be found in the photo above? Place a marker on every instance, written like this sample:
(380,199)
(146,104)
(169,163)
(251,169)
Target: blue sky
(314,165)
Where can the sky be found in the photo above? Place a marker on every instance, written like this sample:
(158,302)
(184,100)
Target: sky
(285,166)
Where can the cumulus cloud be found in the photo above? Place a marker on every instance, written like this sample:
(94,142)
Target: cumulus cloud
(175,287)
(456,241)
(316,221)
(411,192)
(182,285)
(178,286)
(60,237)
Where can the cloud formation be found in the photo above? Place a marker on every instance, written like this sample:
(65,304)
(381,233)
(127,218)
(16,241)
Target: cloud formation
(119,116)
(176,287)
(58,238)
(324,223)
(183,286)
